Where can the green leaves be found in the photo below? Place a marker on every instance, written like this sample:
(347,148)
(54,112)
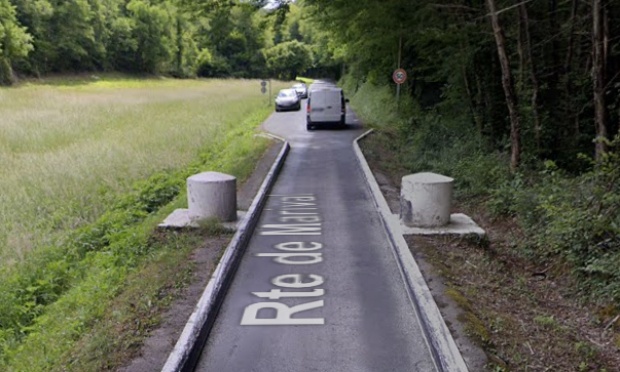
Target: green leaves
(153,35)
(15,42)
(288,59)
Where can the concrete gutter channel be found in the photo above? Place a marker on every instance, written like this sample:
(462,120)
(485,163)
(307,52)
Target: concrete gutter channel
(446,354)
(186,352)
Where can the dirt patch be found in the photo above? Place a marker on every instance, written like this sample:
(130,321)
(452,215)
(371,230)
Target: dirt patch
(526,317)
(154,352)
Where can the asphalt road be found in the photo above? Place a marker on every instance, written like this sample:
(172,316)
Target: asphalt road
(318,288)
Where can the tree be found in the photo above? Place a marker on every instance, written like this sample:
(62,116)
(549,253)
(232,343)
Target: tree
(123,44)
(153,33)
(15,42)
(72,35)
(507,83)
(599,59)
(286,60)
(35,16)
(526,50)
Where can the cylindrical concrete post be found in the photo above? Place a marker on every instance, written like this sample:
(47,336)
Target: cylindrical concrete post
(212,194)
(425,200)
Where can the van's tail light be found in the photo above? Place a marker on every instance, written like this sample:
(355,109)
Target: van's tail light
(308,108)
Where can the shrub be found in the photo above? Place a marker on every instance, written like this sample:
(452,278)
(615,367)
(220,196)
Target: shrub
(583,224)
(568,218)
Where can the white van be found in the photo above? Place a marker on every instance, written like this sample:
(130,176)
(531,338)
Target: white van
(325,106)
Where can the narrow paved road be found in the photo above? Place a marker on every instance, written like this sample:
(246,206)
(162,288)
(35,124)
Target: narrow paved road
(318,288)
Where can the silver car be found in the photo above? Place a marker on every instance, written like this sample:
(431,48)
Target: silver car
(301,89)
(288,99)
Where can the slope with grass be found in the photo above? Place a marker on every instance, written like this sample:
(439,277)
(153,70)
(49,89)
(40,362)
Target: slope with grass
(89,167)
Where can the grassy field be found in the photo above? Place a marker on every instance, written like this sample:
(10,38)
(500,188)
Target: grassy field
(66,149)
(88,168)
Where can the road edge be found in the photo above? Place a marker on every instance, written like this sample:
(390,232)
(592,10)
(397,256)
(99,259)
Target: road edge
(443,348)
(186,351)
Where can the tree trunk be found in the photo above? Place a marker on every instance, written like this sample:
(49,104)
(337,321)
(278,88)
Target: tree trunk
(179,56)
(6,72)
(568,108)
(554,29)
(598,77)
(507,83)
(470,97)
(481,99)
(520,42)
(471,100)
(571,37)
(535,86)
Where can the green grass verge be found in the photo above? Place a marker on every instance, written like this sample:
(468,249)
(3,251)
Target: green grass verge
(304,80)
(63,288)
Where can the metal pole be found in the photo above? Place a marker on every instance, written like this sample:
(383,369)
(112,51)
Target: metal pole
(400,47)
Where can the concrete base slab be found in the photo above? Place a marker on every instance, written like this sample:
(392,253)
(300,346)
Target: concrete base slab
(180,219)
(460,224)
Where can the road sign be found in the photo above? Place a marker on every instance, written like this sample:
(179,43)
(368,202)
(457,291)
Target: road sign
(399,76)
(263,89)
(263,84)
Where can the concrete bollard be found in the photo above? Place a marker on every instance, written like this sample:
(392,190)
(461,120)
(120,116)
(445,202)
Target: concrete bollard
(212,194)
(425,200)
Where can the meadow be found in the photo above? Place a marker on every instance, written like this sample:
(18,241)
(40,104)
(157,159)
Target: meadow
(66,150)
(89,166)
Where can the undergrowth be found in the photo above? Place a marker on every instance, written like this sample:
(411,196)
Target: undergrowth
(567,219)
(571,218)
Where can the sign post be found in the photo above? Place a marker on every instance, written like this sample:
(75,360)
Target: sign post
(263,89)
(399,76)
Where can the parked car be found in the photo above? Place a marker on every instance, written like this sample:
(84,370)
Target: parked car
(301,89)
(288,99)
(326,106)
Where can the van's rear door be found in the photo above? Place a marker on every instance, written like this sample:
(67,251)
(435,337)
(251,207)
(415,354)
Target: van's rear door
(326,105)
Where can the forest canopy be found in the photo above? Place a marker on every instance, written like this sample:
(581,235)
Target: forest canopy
(550,70)
(183,38)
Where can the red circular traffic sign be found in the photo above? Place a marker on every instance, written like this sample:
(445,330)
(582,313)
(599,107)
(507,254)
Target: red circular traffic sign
(399,76)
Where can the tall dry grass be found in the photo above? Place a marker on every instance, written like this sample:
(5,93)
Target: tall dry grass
(67,149)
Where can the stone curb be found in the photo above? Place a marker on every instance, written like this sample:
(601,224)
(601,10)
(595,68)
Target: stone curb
(187,350)
(445,353)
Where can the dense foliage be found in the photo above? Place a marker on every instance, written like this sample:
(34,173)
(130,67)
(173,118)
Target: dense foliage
(538,78)
(517,101)
(177,37)
(449,50)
